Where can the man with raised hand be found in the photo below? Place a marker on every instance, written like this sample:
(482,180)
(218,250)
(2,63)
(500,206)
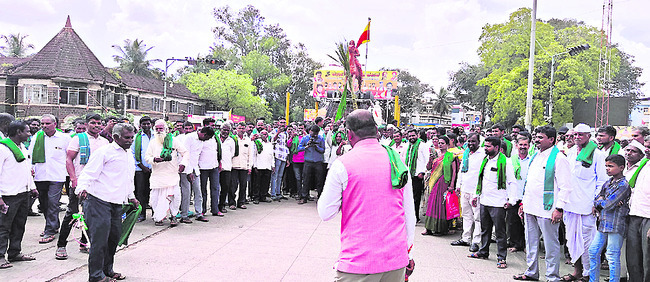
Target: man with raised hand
(81,147)
(48,152)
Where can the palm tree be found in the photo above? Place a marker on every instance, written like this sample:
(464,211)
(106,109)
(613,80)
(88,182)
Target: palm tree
(343,58)
(133,58)
(15,46)
(442,105)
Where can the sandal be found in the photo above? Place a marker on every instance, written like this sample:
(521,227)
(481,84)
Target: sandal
(46,239)
(476,256)
(61,253)
(569,277)
(524,277)
(5,264)
(116,276)
(502,264)
(427,232)
(21,257)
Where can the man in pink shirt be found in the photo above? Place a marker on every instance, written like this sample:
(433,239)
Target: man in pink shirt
(378,221)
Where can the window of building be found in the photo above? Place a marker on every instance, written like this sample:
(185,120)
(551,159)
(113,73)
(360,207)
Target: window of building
(35,94)
(83,97)
(108,98)
(190,108)
(132,102)
(155,105)
(73,96)
(173,106)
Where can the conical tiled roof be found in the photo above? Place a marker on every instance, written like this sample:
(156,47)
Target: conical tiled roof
(65,56)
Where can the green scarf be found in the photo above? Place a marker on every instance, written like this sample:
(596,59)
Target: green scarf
(234,137)
(38,155)
(343,137)
(586,155)
(614,149)
(446,166)
(131,215)
(501,174)
(84,148)
(465,166)
(398,170)
(138,147)
(18,155)
(26,143)
(508,147)
(516,164)
(294,144)
(259,146)
(412,156)
(218,138)
(632,181)
(549,178)
(166,153)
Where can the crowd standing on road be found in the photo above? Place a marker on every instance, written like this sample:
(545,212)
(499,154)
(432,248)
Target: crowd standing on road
(580,192)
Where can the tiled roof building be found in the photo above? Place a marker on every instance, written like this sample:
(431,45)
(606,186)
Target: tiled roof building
(66,78)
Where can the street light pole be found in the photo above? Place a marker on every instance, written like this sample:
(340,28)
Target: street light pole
(531,68)
(572,51)
(189,60)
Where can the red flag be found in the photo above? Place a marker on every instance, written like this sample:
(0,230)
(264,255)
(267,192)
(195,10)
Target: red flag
(365,36)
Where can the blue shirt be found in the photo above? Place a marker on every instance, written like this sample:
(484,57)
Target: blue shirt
(613,202)
(313,153)
(143,150)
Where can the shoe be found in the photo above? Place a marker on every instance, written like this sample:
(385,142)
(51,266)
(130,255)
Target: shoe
(283,198)
(243,207)
(84,249)
(302,201)
(311,199)
(232,207)
(224,210)
(256,202)
(459,242)
(61,253)
(173,222)
(474,248)
(266,200)
(186,220)
(31,213)
(202,218)
(159,223)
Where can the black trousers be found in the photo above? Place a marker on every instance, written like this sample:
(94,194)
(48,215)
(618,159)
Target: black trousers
(515,227)
(239,181)
(313,176)
(225,179)
(213,176)
(12,224)
(289,180)
(142,190)
(418,188)
(262,180)
(493,216)
(104,222)
(637,250)
(66,227)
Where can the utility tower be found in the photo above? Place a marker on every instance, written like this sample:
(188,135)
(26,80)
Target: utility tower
(604,68)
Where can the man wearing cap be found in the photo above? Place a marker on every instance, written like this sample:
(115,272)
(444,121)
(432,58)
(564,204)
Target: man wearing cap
(588,175)
(637,250)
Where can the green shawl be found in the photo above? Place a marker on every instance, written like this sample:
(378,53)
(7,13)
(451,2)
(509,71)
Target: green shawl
(501,173)
(465,166)
(508,147)
(166,153)
(218,138)
(131,215)
(398,170)
(138,147)
(234,137)
(614,149)
(586,155)
(412,156)
(294,144)
(446,166)
(18,155)
(549,178)
(516,164)
(258,146)
(38,154)
(632,181)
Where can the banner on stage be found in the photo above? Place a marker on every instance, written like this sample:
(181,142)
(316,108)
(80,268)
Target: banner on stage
(330,84)
(310,114)
(236,118)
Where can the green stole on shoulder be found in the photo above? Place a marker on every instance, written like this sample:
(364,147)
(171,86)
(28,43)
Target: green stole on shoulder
(446,166)
(508,147)
(38,154)
(398,171)
(234,137)
(549,178)
(18,154)
(586,155)
(412,156)
(501,173)
(614,149)
(294,144)
(166,153)
(258,146)
(632,181)
(218,138)
(516,164)
(138,147)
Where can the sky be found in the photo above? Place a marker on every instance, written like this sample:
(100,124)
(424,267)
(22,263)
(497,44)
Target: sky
(428,38)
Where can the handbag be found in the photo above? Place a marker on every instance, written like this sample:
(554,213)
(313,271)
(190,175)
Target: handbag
(452,205)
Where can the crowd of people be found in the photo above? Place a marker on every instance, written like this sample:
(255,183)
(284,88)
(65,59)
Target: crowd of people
(581,188)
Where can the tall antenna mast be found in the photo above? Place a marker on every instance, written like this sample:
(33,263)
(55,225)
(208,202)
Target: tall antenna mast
(604,68)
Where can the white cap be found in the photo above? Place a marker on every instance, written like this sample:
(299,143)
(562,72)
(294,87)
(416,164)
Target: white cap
(582,128)
(638,145)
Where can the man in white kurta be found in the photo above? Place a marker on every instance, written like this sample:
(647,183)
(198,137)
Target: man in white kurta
(469,201)
(165,191)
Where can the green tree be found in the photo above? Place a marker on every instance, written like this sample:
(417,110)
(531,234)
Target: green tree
(465,88)
(227,91)
(132,58)
(15,45)
(410,92)
(441,105)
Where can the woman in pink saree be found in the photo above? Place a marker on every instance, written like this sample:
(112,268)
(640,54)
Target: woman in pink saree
(443,179)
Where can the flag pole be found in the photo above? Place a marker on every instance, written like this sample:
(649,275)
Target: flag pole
(367,43)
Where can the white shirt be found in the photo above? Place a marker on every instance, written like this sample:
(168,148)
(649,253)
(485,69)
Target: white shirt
(109,175)
(245,158)
(265,159)
(468,180)
(422,159)
(208,157)
(194,148)
(587,181)
(333,156)
(165,174)
(533,200)
(401,149)
(53,169)
(227,153)
(640,200)
(490,195)
(385,141)
(329,204)
(524,174)
(93,144)
(15,177)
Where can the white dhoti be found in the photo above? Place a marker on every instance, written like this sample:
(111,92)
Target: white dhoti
(580,231)
(164,201)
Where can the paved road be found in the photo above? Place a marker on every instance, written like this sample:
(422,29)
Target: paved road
(267,242)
